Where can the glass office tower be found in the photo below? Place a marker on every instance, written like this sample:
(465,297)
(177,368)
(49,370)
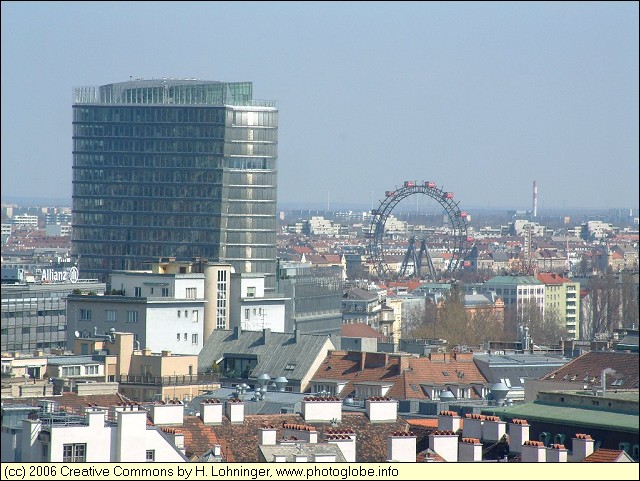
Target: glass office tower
(177,168)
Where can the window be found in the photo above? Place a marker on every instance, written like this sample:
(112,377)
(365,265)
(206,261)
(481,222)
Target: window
(110,315)
(137,291)
(74,453)
(179,313)
(246,314)
(194,339)
(70,371)
(192,292)
(132,316)
(85,314)
(185,336)
(151,455)
(91,370)
(194,316)
(290,367)
(178,337)
(251,292)
(165,292)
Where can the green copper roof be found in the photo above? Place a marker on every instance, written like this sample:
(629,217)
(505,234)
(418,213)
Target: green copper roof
(512,280)
(587,418)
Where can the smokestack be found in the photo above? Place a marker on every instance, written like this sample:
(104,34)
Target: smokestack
(535,199)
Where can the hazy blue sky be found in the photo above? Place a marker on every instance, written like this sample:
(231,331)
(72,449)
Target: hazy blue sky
(483,98)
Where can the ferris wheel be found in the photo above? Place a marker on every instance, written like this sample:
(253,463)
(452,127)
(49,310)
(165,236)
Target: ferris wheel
(418,262)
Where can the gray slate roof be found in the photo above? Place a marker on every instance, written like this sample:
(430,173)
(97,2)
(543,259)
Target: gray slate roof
(273,350)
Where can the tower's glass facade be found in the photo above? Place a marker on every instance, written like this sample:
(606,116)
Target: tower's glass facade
(174,168)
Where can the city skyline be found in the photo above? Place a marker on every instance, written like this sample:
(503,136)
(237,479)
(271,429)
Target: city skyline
(481,98)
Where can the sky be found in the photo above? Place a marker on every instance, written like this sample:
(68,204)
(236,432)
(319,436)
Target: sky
(481,97)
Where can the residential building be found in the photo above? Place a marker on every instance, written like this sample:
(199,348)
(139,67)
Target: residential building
(359,305)
(242,356)
(178,168)
(519,292)
(562,299)
(164,310)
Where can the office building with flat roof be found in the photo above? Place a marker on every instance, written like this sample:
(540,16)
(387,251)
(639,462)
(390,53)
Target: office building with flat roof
(179,168)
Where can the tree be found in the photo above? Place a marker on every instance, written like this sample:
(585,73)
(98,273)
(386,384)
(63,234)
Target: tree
(629,300)
(603,307)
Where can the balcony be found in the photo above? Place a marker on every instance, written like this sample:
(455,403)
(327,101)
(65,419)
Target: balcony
(177,380)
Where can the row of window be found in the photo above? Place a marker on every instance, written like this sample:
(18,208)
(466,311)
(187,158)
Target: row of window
(110,315)
(89,370)
(154,161)
(194,338)
(145,115)
(106,174)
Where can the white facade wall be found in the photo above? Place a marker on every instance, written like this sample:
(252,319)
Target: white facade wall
(165,452)
(401,449)
(256,315)
(324,410)
(446,445)
(163,326)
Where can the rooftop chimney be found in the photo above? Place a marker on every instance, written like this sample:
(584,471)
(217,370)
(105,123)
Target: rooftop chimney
(448,421)
(445,443)
(382,409)
(401,447)
(518,434)
(267,435)
(235,411)
(211,411)
(582,445)
(534,452)
(469,450)
(472,427)
(556,453)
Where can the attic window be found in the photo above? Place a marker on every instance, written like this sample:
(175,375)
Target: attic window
(445,373)
(290,367)
(414,387)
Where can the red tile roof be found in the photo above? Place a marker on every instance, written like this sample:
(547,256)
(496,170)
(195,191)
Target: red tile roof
(199,438)
(401,371)
(604,456)
(591,364)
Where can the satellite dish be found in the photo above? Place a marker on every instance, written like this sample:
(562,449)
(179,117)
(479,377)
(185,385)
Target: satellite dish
(77,334)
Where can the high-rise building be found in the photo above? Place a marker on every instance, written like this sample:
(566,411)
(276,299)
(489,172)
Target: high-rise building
(177,168)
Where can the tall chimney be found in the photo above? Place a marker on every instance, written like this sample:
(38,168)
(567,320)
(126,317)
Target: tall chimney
(535,199)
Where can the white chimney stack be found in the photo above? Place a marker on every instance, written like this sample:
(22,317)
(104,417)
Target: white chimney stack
(448,421)
(582,445)
(211,411)
(493,429)
(267,435)
(534,452)
(445,443)
(469,450)
(401,447)
(382,409)
(557,453)
(167,413)
(235,411)
(345,439)
(518,434)
(472,427)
